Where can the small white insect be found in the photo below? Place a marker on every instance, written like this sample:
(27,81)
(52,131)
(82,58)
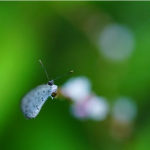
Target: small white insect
(33,101)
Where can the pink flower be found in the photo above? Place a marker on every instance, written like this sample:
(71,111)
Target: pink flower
(93,107)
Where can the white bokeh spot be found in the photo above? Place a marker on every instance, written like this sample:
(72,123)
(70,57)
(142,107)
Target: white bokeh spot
(116,42)
(124,109)
(77,88)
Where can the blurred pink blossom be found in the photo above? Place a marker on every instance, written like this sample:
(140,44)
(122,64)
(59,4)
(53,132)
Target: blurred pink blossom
(93,107)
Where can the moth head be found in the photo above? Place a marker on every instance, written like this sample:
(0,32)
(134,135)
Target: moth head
(53,90)
(51,82)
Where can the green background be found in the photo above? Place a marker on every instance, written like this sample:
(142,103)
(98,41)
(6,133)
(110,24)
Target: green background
(55,32)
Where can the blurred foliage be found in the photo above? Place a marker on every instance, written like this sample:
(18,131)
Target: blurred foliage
(59,35)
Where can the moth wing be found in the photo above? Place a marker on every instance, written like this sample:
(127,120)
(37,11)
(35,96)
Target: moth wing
(33,101)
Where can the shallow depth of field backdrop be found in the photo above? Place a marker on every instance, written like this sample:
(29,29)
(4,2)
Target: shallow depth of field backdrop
(107,42)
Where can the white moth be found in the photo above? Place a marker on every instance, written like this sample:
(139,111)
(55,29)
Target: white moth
(33,101)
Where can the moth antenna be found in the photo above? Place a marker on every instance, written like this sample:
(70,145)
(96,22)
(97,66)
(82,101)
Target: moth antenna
(44,69)
(64,75)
